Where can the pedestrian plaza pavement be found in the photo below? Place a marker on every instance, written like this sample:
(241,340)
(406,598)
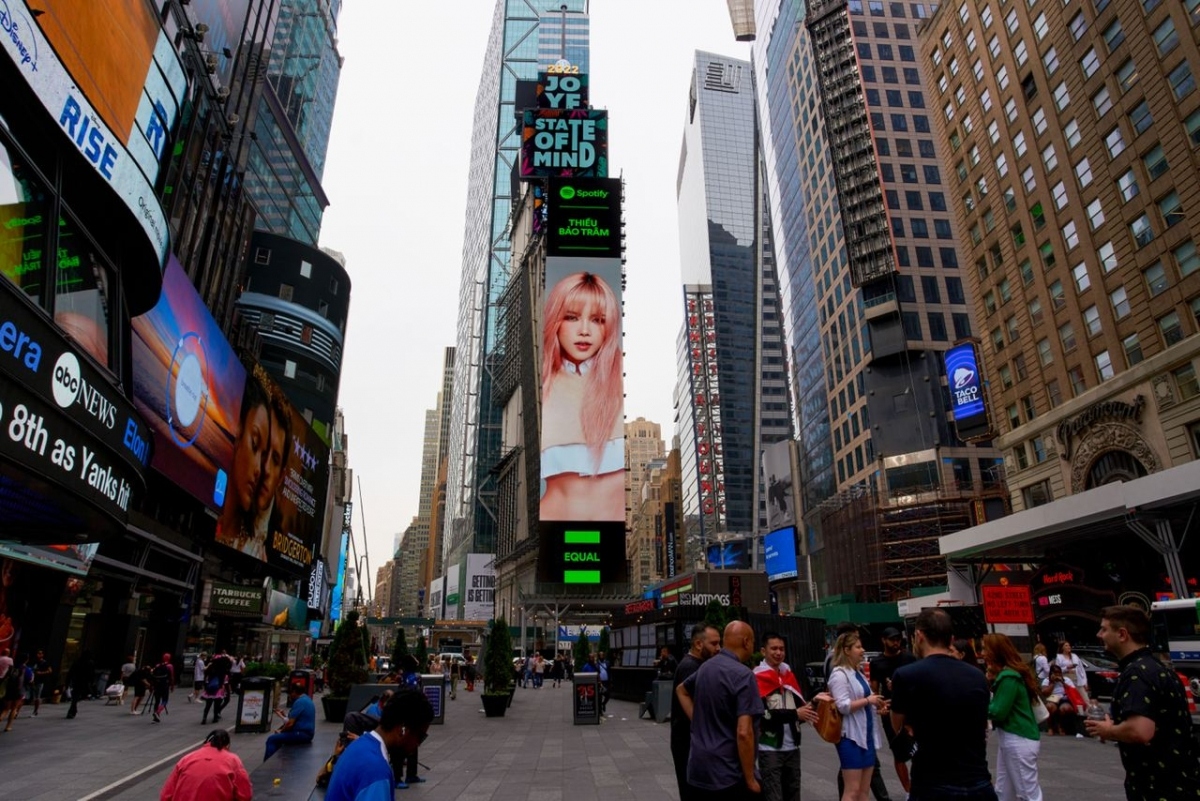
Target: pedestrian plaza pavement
(533,753)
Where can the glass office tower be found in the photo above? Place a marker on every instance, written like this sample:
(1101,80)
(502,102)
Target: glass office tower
(731,396)
(513,53)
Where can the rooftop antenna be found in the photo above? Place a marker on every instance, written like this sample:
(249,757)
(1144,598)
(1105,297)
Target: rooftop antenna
(563,9)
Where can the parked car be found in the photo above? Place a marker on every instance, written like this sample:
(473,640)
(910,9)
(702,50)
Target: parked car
(1102,674)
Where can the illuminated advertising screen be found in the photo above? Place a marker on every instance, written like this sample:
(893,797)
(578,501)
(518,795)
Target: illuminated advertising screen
(582,507)
(584,217)
(113,81)
(452,597)
(559,142)
(779,549)
(228,437)
(777,473)
(479,596)
(562,90)
(728,555)
(966,391)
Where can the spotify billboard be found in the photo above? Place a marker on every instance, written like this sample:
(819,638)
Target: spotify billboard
(582,502)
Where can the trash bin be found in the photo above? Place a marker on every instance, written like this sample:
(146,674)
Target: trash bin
(434,687)
(586,703)
(256,704)
(661,691)
(302,679)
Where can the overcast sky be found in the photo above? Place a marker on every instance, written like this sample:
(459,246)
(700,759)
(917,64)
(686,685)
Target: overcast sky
(396,176)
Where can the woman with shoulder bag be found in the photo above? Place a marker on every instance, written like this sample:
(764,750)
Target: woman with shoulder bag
(1012,711)
(859,706)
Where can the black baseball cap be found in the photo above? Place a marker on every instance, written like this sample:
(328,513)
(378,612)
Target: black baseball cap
(891,633)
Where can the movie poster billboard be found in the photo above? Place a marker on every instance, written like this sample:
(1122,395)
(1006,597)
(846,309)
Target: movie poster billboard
(436,597)
(582,506)
(480,592)
(228,437)
(777,475)
(452,596)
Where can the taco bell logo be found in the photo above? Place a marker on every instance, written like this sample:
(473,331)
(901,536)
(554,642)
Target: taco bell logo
(26,53)
(963,376)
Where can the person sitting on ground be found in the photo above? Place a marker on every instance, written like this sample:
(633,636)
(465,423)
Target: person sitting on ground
(1054,694)
(210,773)
(300,725)
(362,771)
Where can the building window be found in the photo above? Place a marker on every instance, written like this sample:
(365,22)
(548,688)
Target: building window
(1036,315)
(1080,274)
(1089,63)
(289,369)
(1046,252)
(1156,278)
(1066,335)
(1039,449)
(1155,161)
(1045,353)
(1049,157)
(1071,131)
(1062,98)
(323,308)
(1133,349)
(1095,213)
(1192,123)
(1165,37)
(1185,379)
(1143,234)
(1102,101)
(1170,328)
(1078,382)
(1070,235)
(1083,172)
(333,286)
(1037,494)
(285,292)
(962,325)
(266,322)
(1028,407)
(1021,455)
(1128,185)
(1078,25)
(1053,393)
(1120,302)
(1115,142)
(1060,195)
(1019,367)
(1186,258)
(1108,256)
(1127,75)
(997,339)
(1141,117)
(937,326)
(262,255)
(1014,417)
(1091,319)
(1171,209)
(1104,366)
(305,269)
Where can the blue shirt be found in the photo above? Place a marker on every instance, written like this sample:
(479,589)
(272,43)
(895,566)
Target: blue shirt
(305,715)
(722,690)
(362,773)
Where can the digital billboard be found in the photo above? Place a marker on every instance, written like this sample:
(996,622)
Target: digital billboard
(728,555)
(582,507)
(228,437)
(480,592)
(584,217)
(452,596)
(779,551)
(113,82)
(967,402)
(562,88)
(777,475)
(562,142)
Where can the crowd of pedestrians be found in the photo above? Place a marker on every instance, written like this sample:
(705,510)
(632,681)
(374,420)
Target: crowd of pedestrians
(736,731)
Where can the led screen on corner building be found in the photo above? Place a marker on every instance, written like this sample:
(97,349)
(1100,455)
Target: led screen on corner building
(779,554)
(582,507)
(228,437)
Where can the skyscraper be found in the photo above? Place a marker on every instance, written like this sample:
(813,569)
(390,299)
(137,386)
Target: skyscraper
(1072,135)
(513,54)
(872,291)
(732,394)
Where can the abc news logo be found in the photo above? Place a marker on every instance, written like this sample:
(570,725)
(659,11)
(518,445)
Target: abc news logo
(69,386)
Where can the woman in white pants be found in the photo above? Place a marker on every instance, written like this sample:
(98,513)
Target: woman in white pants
(1011,711)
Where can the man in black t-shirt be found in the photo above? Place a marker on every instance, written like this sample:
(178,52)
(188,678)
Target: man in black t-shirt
(1150,721)
(706,643)
(945,701)
(883,667)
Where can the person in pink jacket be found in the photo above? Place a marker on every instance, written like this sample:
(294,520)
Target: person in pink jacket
(210,773)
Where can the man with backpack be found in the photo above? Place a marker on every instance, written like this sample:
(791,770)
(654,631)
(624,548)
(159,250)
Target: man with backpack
(162,680)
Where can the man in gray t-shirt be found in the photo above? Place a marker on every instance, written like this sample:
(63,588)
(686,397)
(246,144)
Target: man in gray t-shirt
(722,700)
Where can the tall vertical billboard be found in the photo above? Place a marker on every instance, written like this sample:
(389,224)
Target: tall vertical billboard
(228,437)
(967,403)
(452,600)
(777,474)
(563,136)
(582,506)
(480,592)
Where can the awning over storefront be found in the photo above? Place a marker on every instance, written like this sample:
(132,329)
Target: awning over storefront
(1159,508)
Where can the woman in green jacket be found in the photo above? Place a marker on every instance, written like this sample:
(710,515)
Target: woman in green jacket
(1011,710)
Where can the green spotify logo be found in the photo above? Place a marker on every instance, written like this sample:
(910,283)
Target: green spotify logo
(567,192)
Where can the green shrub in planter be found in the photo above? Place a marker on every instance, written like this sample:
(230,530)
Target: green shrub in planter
(347,658)
(497,663)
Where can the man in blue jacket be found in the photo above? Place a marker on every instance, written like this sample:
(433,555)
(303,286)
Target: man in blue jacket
(363,772)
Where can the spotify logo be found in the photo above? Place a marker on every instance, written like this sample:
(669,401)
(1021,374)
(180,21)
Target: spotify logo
(567,192)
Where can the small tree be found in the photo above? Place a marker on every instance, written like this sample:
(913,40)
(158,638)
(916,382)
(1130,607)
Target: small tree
(603,645)
(497,662)
(400,649)
(422,654)
(347,659)
(715,615)
(582,649)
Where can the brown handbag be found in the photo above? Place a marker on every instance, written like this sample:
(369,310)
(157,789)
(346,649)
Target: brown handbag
(829,722)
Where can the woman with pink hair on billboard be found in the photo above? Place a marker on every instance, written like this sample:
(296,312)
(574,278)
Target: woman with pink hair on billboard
(583,435)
